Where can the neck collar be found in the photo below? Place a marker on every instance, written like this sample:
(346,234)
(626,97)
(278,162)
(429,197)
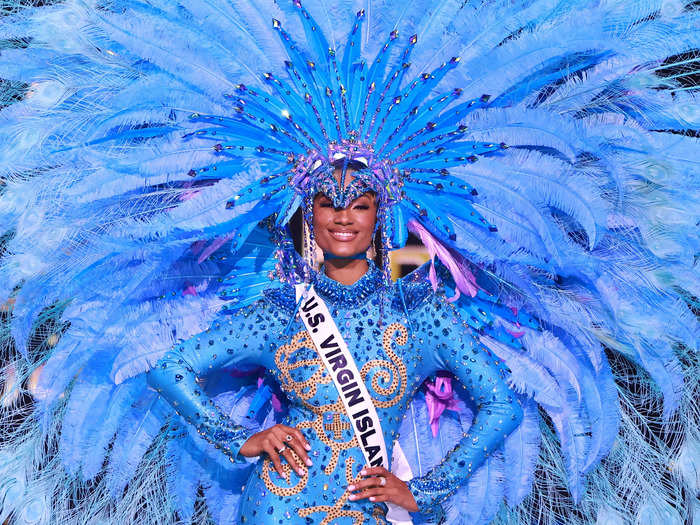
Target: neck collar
(353,294)
(357,256)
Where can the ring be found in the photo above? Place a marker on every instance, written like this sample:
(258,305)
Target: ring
(382,481)
(288,437)
(282,449)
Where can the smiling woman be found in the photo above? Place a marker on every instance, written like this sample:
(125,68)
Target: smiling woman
(539,149)
(345,233)
(343,230)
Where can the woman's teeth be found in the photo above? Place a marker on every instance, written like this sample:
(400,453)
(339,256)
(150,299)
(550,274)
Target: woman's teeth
(343,236)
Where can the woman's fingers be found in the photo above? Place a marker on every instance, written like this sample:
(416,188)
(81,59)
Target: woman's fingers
(271,452)
(280,440)
(284,450)
(375,471)
(296,433)
(297,442)
(374,477)
(296,439)
(366,483)
(371,492)
(371,487)
(380,485)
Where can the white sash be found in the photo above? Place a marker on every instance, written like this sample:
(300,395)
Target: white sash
(339,363)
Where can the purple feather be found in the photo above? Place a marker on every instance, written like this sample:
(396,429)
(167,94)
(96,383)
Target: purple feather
(464,278)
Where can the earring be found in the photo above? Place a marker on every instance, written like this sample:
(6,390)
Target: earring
(371,251)
(309,243)
(384,244)
(309,248)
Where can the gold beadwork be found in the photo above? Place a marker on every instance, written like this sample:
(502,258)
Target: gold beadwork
(394,369)
(378,515)
(336,510)
(305,389)
(337,426)
(268,467)
(378,371)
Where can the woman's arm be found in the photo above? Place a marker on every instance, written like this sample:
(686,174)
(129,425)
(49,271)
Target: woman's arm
(499,413)
(233,340)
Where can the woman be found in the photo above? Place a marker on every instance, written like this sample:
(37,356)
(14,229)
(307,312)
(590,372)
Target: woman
(153,154)
(397,345)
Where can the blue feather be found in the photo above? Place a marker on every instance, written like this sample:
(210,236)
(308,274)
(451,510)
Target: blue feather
(133,438)
(182,476)
(521,452)
(482,496)
(103,425)
(113,188)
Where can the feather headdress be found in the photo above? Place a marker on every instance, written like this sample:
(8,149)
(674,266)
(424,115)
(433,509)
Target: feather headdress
(543,150)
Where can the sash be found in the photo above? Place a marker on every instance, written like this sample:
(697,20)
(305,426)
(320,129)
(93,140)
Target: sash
(339,363)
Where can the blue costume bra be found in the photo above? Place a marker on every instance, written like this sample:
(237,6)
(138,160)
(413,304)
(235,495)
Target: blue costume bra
(399,336)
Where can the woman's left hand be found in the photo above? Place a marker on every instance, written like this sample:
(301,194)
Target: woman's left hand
(391,490)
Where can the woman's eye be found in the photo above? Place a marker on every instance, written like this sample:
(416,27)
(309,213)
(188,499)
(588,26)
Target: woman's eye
(362,207)
(325,205)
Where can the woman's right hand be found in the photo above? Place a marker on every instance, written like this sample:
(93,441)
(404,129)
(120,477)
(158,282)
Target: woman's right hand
(276,441)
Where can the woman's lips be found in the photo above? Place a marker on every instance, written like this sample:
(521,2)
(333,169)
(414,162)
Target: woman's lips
(343,236)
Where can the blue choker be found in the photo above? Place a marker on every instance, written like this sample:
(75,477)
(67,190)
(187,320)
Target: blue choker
(328,256)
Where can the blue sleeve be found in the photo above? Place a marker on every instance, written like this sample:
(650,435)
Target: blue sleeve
(457,348)
(235,340)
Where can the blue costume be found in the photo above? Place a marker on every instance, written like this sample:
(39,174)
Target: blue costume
(154,156)
(398,340)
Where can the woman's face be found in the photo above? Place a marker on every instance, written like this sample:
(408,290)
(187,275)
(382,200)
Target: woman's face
(344,232)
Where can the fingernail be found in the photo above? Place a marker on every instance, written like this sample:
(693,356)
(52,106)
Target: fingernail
(301,471)
(351,487)
(372,498)
(352,496)
(307,446)
(363,472)
(309,463)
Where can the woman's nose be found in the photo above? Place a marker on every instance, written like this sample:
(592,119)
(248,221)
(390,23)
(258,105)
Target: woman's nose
(342,216)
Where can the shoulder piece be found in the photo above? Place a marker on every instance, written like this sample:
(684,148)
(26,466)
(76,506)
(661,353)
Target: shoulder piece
(281,298)
(413,290)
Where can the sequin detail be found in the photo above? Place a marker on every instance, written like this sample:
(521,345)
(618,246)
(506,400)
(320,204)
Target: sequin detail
(350,295)
(399,337)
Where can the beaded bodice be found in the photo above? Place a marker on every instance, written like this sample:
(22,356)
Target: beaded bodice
(398,335)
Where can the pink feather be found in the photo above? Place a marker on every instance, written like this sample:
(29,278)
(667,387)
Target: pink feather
(464,278)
